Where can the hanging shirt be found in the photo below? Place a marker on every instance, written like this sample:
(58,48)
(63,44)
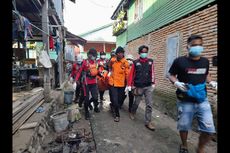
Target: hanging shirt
(28,29)
(51,42)
(57,47)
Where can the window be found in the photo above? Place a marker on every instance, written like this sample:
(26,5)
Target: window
(138,10)
(172,51)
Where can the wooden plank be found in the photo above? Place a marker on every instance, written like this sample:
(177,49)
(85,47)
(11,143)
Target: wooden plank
(28,125)
(29,106)
(19,123)
(23,97)
(21,105)
(21,100)
(37,89)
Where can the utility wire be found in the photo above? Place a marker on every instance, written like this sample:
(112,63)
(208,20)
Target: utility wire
(99,4)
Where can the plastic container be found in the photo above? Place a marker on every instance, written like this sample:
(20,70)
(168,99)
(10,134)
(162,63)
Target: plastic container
(60,121)
(77,115)
(71,115)
(68,96)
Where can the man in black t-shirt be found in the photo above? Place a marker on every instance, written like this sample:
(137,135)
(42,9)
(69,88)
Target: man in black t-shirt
(189,74)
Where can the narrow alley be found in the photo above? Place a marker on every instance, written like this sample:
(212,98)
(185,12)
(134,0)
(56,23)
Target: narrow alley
(69,54)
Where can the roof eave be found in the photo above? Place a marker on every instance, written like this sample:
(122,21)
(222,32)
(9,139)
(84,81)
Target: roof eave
(124,3)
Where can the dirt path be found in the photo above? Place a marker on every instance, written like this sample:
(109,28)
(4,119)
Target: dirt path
(129,136)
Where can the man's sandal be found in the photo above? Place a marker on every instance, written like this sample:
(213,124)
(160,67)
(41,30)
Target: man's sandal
(183,150)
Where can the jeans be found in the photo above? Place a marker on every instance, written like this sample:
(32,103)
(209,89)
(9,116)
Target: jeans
(187,111)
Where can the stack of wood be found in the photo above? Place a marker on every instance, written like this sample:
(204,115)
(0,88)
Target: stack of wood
(25,106)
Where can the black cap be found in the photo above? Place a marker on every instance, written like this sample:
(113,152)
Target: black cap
(119,50)
(92,51)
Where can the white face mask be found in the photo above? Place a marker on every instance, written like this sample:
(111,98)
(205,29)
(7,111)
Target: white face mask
(103,56)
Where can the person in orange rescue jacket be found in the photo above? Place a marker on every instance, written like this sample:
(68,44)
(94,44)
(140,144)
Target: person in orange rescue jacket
(118,80)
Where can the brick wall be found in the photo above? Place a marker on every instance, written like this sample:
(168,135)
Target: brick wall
(110,47)
(203,22)
(99,46)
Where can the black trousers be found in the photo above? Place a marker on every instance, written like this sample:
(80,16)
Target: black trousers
(91,88)
(117,95)
(131,99)
(82,97)
(110,94)
(78,91)
(101,93)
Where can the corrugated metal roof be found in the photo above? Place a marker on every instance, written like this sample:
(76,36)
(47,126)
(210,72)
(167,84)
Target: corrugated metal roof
(169,12)
(75,39)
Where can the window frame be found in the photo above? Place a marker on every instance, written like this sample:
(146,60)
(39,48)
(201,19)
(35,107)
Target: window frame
(138,10)
(179,42)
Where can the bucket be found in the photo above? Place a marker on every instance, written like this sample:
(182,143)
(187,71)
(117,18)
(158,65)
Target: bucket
(60,121)
(68,96)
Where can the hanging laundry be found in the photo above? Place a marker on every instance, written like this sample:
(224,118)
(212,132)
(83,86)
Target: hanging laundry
(51,42)
(57,46)
(14,31)
(20,23)
(28,28)
(54,33)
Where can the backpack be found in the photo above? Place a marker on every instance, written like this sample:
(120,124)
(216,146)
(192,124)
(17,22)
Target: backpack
(92,71)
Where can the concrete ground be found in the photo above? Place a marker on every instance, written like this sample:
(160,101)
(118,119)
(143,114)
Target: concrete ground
(131,136)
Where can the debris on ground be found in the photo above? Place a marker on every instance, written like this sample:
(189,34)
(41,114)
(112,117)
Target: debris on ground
(71,141)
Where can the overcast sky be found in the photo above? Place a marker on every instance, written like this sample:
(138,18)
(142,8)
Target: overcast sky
(85,15)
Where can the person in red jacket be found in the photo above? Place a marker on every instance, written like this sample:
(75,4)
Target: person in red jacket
(75,68)
(89,72)
(142,80)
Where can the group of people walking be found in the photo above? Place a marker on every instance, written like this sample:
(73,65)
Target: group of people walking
(123,76)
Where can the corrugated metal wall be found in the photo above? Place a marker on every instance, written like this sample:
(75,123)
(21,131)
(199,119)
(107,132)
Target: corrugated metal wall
(161,13)
(122,39)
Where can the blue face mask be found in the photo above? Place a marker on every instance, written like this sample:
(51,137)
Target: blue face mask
(196,50)
(143,55)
